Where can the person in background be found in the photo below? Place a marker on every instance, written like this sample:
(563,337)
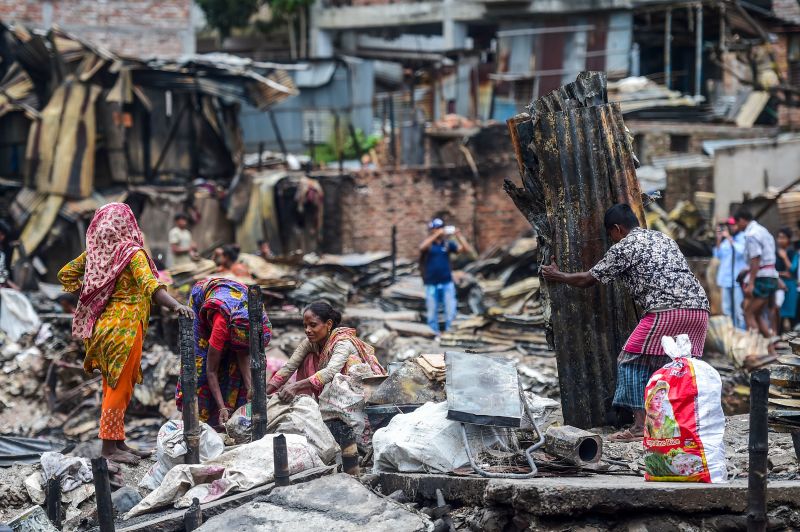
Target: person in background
(657,276)
(762,279)
(730,253)
(787,266)
(221,349)
(440,291)
(182,249)
(327,350)
(264,251)
(227,260)
(117,282)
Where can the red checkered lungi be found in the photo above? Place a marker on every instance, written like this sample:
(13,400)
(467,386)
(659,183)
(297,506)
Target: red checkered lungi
(646,337)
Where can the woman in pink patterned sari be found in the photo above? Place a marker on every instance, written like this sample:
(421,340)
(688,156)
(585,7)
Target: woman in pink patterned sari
(327,350)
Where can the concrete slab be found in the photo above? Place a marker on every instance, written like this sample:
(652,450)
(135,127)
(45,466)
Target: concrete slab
(570,496)
(335,503)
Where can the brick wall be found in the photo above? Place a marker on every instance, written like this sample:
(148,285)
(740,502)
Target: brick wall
(655,136)
(140,28)
(370,202)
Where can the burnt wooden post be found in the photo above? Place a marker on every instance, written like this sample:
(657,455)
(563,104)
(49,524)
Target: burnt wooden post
(191,413)
(102,494)
(258,366)
(758,446)
(280,457)
(394,252)
(193,517)
(54,501)
(576,160)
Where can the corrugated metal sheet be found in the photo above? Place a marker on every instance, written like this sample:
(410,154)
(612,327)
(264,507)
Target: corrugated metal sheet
(582,164)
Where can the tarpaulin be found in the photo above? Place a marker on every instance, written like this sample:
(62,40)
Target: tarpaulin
(261,220)
(24,450)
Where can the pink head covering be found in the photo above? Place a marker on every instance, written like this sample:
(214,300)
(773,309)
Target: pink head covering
(112,239)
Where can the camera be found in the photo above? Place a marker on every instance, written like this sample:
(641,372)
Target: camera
(449,229)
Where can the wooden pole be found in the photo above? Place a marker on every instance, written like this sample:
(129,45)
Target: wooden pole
(258,367)
(193,517)
(758,446)
(280,457)
(102,493)
(394,252)
(191,413)
(54,501)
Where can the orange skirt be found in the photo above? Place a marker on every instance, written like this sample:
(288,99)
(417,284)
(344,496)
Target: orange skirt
(115,400)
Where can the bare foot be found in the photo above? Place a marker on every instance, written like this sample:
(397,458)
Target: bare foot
(121,457)
(625,436)
(122,446)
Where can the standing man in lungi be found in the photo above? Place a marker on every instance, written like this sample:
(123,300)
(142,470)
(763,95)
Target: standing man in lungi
(656,274)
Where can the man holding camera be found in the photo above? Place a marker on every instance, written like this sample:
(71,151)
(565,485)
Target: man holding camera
(440,291)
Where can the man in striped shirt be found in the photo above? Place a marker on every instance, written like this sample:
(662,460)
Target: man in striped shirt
(657,276)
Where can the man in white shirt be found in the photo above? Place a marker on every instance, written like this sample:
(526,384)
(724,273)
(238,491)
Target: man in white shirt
(762,279)
(182,249)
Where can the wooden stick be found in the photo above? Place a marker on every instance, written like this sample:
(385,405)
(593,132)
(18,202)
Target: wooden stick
(280,456)
(258,366)
(193,517)
(191,413)
(758,446)
(102,494)
(54,501)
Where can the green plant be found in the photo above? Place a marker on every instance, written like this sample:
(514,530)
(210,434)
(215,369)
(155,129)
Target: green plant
(224,15)
(341,141)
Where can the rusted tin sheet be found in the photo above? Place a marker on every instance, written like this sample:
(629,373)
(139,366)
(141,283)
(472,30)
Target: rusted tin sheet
(583,164)
(588,165)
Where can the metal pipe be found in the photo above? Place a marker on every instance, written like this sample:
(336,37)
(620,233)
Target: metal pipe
(280,460)
(102,494)
(668,50)
(191,413)
(758,447)
(193,517)
(698,50)
(258,367)
(54,501)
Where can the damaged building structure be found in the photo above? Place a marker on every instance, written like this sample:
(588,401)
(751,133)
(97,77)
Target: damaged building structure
(408,99)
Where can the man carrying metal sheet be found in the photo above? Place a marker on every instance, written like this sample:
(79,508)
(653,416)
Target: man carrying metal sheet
(656,274)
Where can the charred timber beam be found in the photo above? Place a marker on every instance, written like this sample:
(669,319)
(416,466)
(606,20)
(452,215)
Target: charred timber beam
(258,367)
(102,492)
(191,413)
(193,517)
(280,460)
(54,501)
(758,447)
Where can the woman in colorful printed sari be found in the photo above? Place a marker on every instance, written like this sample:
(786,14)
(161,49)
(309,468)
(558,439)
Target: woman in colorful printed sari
(327,350)
(116,281)
(222,348)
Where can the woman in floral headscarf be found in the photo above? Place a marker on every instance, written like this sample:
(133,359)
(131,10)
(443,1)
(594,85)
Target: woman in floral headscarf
(221,348)
(116,281)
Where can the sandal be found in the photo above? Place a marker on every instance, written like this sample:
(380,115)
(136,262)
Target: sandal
(623,436)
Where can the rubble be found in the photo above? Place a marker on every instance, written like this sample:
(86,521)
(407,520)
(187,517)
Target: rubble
(337,502)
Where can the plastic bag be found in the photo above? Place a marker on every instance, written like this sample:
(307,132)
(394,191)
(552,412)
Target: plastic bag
(426,441)
(343,399)
(17,316)
(301,417)
(684,423)
(171,448)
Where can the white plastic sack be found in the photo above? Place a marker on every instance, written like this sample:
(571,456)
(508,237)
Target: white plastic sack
(684,423)
(171,448)
(301,417)
(17,316)
(426,441)
(343,400)
(240,469)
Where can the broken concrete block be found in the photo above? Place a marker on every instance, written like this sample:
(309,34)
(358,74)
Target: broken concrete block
(337,502)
